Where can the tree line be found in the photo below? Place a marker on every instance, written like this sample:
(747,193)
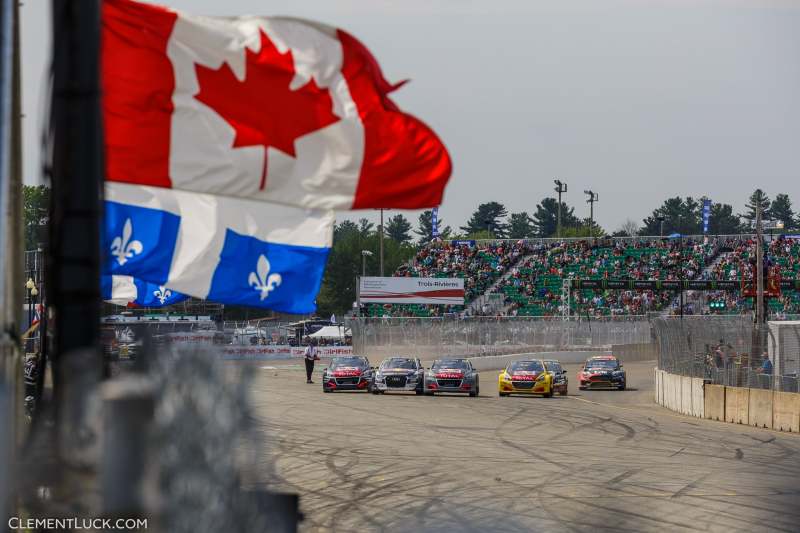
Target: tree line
(682,215)
(490,220)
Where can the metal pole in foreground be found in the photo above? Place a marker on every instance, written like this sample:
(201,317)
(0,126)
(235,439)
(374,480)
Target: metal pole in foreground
(380,232)
(73,262)
(11,243)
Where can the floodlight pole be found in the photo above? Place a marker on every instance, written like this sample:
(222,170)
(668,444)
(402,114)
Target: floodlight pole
(593,197)
(561,187)
(759,267)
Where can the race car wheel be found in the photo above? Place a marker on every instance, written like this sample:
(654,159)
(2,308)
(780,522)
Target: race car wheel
(326,390)
(502,394)
(622,387)
(582,388)
(418,392)
(563,392)
(548,394)
(477,391)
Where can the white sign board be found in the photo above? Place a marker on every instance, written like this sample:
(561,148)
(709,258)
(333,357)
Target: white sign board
(441,291)
(233,351)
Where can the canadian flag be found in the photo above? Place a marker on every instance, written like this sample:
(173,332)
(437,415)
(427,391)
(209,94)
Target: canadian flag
(273,109)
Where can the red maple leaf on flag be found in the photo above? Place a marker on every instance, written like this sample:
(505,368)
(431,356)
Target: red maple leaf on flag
(262,109)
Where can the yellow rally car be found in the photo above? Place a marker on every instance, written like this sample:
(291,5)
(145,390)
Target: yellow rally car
(525,377)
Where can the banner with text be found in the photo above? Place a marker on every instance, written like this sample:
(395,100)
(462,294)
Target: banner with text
(441,291)
(235,352)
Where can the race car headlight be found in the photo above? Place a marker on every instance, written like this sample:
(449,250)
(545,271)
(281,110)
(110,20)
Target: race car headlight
(542,377)
(505,377)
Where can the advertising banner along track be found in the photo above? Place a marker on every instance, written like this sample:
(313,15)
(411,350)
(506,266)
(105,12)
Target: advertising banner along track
(443,291)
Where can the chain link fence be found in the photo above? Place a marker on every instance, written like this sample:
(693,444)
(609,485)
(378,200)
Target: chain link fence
(471,336)
(728,350)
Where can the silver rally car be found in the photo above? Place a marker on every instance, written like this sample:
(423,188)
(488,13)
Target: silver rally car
(452,375)
(399,374)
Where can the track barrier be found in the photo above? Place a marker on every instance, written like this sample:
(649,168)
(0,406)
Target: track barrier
(763,408)
(760,408)
(714,400)
(737,405)
(786,411)
(686,395)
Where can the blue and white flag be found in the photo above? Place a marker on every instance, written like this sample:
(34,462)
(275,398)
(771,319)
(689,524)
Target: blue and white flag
(706,215)
(124,290)
(434,223)
(223,249)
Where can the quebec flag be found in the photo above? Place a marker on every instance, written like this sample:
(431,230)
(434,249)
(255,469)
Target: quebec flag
(228,250)
(124,290)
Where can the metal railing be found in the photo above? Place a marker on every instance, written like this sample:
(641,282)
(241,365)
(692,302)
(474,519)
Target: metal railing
(431,337)
(726,350)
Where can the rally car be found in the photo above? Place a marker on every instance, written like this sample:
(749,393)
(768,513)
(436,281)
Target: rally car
(399,374)
(349,372)
(525,377)
(601,372)
(560,381)
(451,375)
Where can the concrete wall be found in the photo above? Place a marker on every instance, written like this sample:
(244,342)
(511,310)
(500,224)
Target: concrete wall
(762,408)
(786,411)
(714,400)
(737,405)
(635,352)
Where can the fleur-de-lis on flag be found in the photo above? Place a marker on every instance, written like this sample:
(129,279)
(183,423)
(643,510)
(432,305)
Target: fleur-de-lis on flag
(162,294)
(261,280)
(122,247)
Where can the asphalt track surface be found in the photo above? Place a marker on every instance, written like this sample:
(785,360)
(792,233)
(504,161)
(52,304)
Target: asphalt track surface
(590,461)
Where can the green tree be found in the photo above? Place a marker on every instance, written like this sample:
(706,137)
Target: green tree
(520,226)
(586,228)
(681,215)
(545,219)
(35,214)
(398,228)
(425,230)
(781,210)
(489,216)
(723,221)
(338,291)
(365,227)
(758,197)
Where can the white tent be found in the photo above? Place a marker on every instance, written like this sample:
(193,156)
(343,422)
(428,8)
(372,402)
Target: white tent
(331,332)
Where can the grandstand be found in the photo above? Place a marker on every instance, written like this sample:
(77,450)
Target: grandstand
(527,276)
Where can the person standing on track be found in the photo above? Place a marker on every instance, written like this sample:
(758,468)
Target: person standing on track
(310,357)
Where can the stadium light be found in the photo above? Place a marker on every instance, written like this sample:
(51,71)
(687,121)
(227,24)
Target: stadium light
(593,197)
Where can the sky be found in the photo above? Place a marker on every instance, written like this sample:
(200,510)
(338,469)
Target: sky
(637,100)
